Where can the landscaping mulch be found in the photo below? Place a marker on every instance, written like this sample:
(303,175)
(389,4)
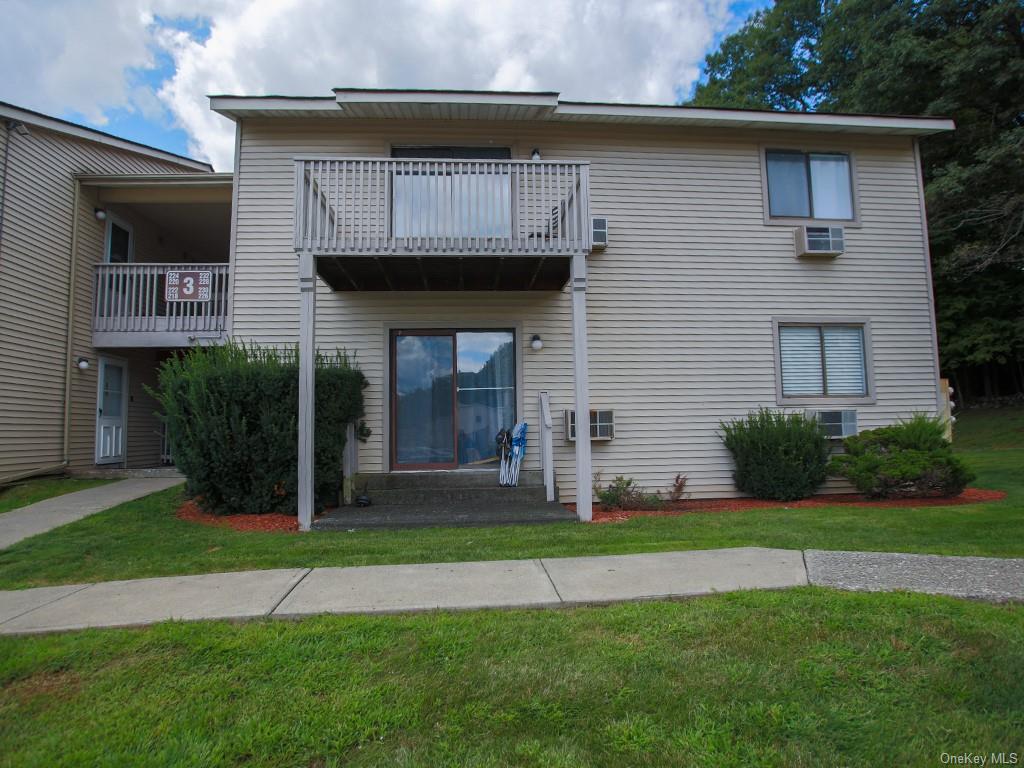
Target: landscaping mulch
(970,496)
(269,523)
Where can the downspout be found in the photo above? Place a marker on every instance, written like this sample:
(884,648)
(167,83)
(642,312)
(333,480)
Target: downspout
(939,395)
(3,177)
(70,330)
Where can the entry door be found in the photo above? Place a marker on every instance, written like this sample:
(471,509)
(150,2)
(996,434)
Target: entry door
(111,401)
(451,391)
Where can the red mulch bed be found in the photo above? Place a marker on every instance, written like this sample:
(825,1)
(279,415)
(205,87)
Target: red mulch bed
(969,496)
(271,523)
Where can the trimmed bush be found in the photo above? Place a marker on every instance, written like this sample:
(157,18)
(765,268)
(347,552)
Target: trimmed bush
(778,455)
(910,459)
(232,419)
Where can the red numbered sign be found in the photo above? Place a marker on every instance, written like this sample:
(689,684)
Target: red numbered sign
(188,286)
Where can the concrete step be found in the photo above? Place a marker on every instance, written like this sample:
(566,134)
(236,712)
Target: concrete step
(443,479)
(478,496)
(434,514)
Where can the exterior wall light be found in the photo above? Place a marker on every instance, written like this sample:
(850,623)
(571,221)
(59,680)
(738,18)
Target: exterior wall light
(536,344)
(100,214)
(83,364)
(535,154)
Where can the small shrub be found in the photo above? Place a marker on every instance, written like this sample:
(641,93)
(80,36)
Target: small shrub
(624,493)
(777,455)
(910,459)
(678,491)
(232,418)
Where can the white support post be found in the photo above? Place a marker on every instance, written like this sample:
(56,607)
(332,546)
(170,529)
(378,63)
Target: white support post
(307,368)
(584,476)
(547,457)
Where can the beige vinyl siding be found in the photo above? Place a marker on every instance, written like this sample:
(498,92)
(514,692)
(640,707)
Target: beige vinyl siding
(680,304)
(34,280)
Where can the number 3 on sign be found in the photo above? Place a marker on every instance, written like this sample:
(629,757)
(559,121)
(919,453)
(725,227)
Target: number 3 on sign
(188,285)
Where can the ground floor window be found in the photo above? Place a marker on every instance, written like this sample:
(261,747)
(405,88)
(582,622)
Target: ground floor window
(451,391)
(822,360)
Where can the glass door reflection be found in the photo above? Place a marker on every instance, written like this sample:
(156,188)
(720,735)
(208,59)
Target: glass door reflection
(423,400)
(485,392)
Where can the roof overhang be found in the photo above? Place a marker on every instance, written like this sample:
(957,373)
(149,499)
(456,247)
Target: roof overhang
(357,103)
(161,187)
(55,124)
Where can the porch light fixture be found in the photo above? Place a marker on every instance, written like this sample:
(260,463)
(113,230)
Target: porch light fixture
(100,214)
(535,154)
(83,364)
(536,343)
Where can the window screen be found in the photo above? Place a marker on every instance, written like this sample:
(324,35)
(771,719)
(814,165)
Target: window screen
(819,360)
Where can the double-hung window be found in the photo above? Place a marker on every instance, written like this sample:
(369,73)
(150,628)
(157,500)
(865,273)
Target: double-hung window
(823,360)
(809,185)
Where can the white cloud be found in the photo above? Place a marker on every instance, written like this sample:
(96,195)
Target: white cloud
(611,50)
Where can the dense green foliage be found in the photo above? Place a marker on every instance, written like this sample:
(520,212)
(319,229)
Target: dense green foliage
(777,455)
(806,677)
(232,417)
(910,459)
(961,58)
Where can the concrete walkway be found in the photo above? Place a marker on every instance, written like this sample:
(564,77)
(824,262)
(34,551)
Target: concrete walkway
(495,584)
(48,514)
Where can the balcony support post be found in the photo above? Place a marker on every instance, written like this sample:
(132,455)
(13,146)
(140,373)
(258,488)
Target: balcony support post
(307,376)
(584,475)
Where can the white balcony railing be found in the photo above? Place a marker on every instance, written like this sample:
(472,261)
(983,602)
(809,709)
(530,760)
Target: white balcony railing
(441,207)
(130,298)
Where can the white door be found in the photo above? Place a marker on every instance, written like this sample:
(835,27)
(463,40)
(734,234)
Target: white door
(111,400)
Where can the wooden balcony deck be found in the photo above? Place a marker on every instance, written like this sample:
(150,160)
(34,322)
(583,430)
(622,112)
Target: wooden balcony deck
(130,307)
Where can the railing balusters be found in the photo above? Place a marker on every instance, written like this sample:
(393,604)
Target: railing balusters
(419,206)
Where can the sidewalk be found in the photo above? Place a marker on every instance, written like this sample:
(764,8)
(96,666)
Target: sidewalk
(48,514)
(542,583)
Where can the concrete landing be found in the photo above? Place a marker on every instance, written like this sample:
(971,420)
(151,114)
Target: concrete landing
(46,515)
(433,512)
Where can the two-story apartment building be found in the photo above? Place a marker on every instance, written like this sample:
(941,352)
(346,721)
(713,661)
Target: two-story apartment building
(493,257)
(662,268)
(90,224)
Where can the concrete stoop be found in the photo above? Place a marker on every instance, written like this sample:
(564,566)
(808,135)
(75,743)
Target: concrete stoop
(445,498)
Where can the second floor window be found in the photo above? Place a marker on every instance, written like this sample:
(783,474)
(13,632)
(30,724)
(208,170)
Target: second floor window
(470,196)
(809,185)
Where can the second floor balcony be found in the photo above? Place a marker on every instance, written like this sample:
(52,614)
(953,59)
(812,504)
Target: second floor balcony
(159,305)
(409,207)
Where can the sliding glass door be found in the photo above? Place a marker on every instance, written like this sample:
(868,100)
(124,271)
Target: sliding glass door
(451,391)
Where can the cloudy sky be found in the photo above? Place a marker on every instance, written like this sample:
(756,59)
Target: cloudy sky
(142,69)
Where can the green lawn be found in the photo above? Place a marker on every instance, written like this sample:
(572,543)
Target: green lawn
(994,429)
(802,678)
(144,538)
(27,492)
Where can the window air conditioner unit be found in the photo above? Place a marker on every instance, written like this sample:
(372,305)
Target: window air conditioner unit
(602,425)
(837,424)
(598,232)
(819,241)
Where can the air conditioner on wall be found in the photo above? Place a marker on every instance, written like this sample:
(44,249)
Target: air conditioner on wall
(820,241)
(602,425)
(598,232)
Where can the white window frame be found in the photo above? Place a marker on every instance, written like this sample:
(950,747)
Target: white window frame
(795,221)
(825,402)
(112,219)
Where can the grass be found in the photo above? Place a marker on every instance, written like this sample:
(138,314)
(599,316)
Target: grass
(802,678)
(992,429)
(22,494)
(144,538)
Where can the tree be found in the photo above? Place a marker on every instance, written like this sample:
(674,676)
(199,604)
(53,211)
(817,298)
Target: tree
(961,58)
